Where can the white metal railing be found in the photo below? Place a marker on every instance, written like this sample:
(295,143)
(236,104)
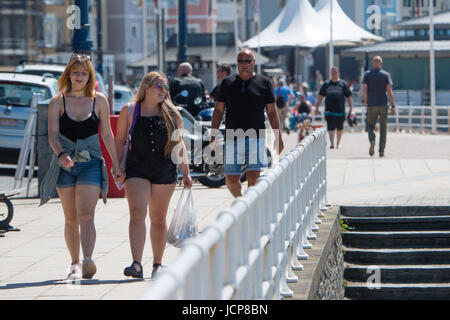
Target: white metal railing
(419,118)
(252,249)
(409,118)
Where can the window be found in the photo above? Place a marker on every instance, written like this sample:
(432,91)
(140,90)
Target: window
(193,28)
(134,31)
(20,95)
(49,31)
(387,3)
(60,31)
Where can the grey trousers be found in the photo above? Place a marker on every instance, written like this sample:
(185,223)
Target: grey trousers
(372,116)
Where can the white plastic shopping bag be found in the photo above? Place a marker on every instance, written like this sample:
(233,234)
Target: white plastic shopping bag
(183,224)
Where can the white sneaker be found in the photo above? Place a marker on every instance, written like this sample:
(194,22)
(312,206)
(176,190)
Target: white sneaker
(74,271)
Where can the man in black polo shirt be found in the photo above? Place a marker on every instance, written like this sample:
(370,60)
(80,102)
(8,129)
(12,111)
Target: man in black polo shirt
(335,91)
(245,96)
(376,83)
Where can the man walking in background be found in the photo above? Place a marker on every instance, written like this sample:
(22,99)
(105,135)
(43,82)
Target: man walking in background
(376,83)
(335,91)
(223,71)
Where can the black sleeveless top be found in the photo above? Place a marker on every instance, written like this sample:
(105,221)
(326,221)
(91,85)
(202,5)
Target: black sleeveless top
(75,130)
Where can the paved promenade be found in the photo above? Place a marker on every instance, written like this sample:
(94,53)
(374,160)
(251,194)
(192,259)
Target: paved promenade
(33,262)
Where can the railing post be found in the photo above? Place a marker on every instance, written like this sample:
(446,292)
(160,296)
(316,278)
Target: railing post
(422,119)
(448,121)
(409,119)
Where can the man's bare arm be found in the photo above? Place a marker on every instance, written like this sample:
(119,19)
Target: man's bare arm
(216,119)
(274,120)
(365,94)
(391,98)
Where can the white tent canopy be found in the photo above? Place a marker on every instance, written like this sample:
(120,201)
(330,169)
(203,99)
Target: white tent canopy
(300,25)
(297,25)
(344,29)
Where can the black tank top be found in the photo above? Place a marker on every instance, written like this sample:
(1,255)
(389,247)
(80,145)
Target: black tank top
(75,130)
(303,108)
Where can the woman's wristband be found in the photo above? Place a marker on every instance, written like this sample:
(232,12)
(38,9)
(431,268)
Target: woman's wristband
(61,153)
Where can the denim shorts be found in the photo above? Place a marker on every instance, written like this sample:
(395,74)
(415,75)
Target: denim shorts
(81,173)
(248,151)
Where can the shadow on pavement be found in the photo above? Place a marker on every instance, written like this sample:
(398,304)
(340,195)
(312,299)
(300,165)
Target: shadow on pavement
(10,286)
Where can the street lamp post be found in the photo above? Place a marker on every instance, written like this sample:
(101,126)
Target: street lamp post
(82,41)
(432,72)
(331,51)
(182,33)
(99,38)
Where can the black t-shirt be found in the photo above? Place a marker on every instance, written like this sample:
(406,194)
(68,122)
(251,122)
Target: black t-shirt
(377,80)
(335,94)
(215,92)
(245,101)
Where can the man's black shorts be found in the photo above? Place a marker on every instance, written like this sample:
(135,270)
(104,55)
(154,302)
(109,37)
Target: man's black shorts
(335,122)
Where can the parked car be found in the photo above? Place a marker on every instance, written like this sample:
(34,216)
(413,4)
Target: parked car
(16,92)
(122,95)
(55,70)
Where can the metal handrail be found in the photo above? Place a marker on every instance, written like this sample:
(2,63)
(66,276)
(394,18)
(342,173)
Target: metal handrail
(252,249)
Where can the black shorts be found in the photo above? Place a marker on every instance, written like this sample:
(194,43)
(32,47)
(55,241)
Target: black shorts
(335,122)
(162,171)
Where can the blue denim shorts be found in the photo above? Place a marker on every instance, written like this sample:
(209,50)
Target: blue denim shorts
(81,173)
(248,151)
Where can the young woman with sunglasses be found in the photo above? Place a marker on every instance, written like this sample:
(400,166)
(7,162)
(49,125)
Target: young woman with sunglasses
(151,173)
(77,168)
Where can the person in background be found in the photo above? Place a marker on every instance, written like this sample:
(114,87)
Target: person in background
(194,87)
(376,83)
(304,110)
(77,168)
(283,98)
(151,173)
(308,95)
(335,91)
(223,71)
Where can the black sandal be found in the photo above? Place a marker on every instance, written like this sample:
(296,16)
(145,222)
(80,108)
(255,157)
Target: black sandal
(132,272)
(156,267)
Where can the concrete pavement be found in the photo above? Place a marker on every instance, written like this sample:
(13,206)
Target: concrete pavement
(33,262)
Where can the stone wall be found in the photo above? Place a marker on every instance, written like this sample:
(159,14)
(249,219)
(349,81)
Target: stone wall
(331,285)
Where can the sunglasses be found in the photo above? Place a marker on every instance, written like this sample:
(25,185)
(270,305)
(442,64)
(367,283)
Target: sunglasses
(80,56)
(247,61)
(161,86)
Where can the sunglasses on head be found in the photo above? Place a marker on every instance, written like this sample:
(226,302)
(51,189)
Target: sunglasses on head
(161,86)
(80,56)
(248,61)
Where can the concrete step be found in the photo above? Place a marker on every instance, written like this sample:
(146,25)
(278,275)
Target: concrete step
(425,256)
(399,239)
(399,273)
(416,223)
(392,291)
(394,211)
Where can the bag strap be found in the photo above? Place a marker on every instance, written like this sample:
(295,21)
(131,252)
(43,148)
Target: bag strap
(135,115)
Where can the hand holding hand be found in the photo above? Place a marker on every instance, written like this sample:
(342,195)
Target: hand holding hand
(118,175)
